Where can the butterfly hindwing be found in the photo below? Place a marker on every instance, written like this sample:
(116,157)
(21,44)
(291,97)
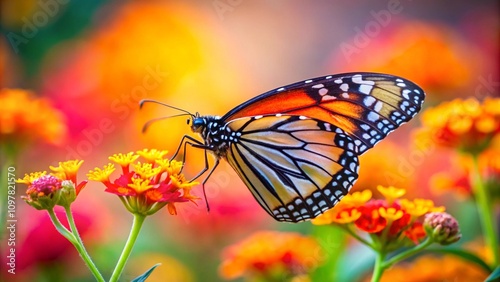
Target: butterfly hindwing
(296,167)
(368,106)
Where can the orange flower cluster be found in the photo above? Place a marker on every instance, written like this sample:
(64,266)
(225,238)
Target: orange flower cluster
(489,161)
(391,219)
(57,188)
(410,48)
(458,178)
(430,268)
(150,185)
(271,256)
(466,125)
(23,117)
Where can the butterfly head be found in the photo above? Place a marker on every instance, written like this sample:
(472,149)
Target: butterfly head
(197,122)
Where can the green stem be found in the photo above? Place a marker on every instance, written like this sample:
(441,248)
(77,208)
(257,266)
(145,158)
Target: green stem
(83,252)
(132,237)
(485,210)
(10,157)
(357,237)
(61,229)
(408,253)
(378,269)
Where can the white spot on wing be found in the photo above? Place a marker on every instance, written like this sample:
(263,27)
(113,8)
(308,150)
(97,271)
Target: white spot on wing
(369,100)
(344,87)
(357,78)
(323,91)
(365,89)
(345,95)
(258,117)
(280,89)
(352,166)
(318,86)
(378,106)
(328,98)
(338,81)
(328,77)
(328,127)
(373,116)
(405,94)
(308,81)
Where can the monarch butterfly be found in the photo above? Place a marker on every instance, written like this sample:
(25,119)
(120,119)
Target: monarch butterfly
(296,147)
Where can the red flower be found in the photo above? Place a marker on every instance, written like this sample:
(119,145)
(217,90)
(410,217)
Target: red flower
(370,220)
(415,232)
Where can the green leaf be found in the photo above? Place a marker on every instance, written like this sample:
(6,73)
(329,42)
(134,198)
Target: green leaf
(146,274)
(495,276)
(464,255)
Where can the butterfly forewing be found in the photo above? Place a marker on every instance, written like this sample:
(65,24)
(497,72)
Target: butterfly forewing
(296,167)
(368,106)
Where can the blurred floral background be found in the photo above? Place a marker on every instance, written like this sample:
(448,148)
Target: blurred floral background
(72,74)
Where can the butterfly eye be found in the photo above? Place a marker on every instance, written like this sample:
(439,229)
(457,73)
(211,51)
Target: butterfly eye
(198,124)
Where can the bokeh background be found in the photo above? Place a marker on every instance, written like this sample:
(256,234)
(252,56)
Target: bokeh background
(94,60)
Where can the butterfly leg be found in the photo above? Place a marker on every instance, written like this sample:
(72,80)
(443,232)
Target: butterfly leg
(199,145)
(184,142)
(206,179)
(188,140)
(206,162)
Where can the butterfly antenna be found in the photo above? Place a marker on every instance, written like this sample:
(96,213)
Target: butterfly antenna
(149,122)
(144,101)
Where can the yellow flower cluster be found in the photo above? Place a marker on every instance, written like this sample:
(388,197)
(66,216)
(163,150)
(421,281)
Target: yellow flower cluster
(145,187)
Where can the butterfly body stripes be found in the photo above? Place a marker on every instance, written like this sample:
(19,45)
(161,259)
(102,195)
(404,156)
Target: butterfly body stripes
(297,147)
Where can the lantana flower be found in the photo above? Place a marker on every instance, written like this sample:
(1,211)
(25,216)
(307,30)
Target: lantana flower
(386,225)
(392,221)
(60,187)
(145,186)
(457,179)
(24,117)
(467,125)
(271,256)
(470,128)
(409,48)
(433,268)
(390,218)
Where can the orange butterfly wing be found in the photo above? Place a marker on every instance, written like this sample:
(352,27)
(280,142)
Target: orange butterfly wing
(366,105)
